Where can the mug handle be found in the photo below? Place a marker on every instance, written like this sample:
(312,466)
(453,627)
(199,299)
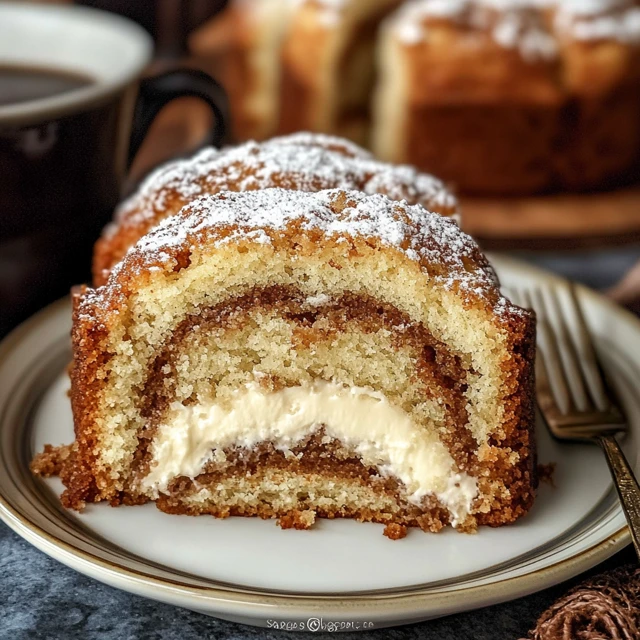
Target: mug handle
(156,92)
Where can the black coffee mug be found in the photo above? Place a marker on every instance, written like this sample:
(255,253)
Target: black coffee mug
(66,148)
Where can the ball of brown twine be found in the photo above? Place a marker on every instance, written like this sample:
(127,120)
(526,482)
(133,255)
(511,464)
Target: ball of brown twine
(606,607)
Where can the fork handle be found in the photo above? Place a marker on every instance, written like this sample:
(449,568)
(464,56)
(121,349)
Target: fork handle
(626,485)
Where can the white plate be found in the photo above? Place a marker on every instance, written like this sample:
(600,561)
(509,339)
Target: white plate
(341,571)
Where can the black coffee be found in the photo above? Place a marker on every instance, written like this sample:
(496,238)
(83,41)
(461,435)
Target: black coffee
(59,184)
(23,84)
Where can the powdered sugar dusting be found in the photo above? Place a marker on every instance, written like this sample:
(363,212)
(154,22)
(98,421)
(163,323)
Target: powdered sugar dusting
(523,24)
(436,243)
(303,161)
(623,26)
(525,31)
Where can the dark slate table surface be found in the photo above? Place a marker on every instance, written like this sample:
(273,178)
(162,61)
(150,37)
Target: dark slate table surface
(41,599)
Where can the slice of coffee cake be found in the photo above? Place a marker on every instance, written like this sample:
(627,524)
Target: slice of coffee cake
(300,355)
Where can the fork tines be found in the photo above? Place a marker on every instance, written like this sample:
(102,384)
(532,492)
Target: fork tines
(571,387)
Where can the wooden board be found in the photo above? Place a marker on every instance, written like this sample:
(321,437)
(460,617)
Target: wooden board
(568,221)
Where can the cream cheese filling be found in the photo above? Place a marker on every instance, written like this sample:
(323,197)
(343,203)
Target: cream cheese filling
(382,434)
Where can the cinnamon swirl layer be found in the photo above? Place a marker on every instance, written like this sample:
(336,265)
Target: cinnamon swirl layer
(299,365)
(308,328)
(319,476)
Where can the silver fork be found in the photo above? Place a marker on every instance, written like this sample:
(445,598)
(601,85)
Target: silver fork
(574,394)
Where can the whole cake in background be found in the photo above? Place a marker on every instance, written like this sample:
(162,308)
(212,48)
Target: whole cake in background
(496,96)
(512,97)
(294,355)
(304,162)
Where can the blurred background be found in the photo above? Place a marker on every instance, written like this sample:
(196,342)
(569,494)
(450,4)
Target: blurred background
(590,233)
(169,22)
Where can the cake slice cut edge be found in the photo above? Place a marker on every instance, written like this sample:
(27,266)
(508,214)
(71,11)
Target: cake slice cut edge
(300,355)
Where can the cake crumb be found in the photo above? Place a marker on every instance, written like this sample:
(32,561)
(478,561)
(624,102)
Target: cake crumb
(49,462)
(545,473)
(298,520)
(395,531)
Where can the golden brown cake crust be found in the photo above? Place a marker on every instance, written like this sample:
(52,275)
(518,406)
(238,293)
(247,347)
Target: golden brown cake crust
(302,162)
